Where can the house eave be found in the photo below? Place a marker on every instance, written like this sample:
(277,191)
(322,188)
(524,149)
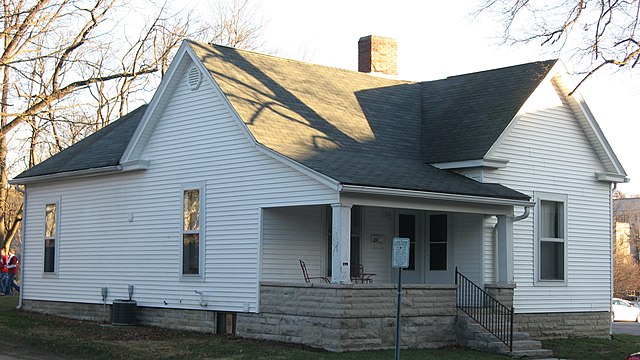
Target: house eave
(468,164)
(612,177)
(106,170)
(435,196)
(133,165)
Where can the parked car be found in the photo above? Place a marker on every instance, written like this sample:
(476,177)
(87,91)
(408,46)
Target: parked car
(623,310)
(635,356)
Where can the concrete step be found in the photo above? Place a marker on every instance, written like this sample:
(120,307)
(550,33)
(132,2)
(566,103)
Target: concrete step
(475,336)
(520,345)
(531,354)
(486,336)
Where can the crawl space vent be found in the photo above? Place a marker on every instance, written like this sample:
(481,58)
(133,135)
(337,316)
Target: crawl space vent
(195,78)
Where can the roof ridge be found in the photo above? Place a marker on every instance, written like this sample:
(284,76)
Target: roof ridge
(551,63)
(307,63)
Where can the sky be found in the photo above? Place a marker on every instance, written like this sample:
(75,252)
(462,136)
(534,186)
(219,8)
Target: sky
(437,39)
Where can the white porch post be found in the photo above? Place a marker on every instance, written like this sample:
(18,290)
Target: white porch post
(341,243)
(505,249)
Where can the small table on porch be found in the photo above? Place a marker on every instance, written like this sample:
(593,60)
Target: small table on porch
(359,276)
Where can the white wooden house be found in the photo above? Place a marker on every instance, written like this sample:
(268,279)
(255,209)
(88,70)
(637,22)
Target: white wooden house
(205,200)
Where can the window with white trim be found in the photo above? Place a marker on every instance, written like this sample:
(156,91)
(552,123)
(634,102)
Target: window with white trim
(192,224)
(50,237)
(552,237)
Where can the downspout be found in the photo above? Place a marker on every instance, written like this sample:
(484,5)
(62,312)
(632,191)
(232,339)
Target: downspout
(22,231)
(524,215)
(611,259)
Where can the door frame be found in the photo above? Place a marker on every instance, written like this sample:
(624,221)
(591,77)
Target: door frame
(415,276)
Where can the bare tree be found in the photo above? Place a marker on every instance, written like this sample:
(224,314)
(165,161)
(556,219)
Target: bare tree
(626,271)
(236,24)
(65,73)
(53,51)
(598,34)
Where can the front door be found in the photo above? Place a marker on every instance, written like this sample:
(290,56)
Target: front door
(407,226)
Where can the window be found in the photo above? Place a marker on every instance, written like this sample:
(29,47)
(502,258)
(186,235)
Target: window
(50,236)
(191,230)
(552,235)
(438,242)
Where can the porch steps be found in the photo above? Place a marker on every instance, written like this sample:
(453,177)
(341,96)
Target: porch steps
(474,336)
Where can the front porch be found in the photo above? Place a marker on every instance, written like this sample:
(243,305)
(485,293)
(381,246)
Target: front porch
(334,239)
(339,317)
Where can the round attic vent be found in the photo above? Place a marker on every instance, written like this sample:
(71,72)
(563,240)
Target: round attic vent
(195,78)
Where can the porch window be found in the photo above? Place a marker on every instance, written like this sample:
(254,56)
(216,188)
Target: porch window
(50,237)
(191,230)
(438,242)
(552,234)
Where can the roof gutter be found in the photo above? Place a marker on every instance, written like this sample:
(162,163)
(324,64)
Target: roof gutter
(435,196)
(68,174)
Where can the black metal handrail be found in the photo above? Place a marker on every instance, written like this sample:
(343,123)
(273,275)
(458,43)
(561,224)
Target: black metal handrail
(484,309)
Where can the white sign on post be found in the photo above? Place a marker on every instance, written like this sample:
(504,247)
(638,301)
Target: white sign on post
(400,252)
(400,261)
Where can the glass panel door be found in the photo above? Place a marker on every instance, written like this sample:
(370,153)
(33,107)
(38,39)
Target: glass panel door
(407,226)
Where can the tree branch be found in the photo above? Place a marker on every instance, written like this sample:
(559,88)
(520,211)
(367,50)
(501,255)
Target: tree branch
(68,89)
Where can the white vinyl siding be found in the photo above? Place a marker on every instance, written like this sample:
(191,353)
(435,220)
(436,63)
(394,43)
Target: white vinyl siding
(376,244)
(124,229)
(468,235)
(290,234)
(549,152)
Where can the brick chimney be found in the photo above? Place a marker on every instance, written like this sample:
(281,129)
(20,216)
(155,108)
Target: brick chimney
(378,55)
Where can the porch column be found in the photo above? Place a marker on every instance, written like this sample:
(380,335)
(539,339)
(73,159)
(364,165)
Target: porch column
(505,249)
(341,243)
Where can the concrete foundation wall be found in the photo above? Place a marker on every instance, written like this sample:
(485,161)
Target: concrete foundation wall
(352,317)
(196,320)
(78,311)
(343,317)
(564,325)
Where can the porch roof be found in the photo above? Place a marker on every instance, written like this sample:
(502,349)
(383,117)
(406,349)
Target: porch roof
(397,173)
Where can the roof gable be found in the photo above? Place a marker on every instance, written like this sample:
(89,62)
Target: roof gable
(587,121)
(463,116)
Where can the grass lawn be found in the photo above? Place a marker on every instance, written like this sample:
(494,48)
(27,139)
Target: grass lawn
(619,347)
(40,334)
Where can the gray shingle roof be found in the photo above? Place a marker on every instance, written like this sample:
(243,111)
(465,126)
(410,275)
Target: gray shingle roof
(464,115)
(101,149)
(353,127)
